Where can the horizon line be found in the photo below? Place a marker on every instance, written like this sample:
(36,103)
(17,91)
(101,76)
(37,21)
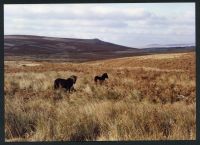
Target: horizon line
(146,46)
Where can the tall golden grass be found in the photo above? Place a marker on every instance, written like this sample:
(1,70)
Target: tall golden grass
(139,101)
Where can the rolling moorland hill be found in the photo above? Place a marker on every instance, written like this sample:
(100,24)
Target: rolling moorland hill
(29,47)
(151,97)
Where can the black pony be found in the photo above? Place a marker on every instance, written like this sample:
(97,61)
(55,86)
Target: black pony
(101,78)
(65,83)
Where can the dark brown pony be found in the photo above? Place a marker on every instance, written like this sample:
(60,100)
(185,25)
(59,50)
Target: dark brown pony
(67,84)
(101,79)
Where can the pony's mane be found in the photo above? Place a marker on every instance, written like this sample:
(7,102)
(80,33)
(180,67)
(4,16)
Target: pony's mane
(74,78)
(105,75)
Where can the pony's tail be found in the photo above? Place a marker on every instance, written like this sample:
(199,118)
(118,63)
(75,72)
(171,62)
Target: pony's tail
(55,85)
(95,79)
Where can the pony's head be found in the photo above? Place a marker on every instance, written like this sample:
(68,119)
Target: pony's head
(74,78)
(105,75)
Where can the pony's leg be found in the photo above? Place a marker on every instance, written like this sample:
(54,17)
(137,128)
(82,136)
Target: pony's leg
(59,86)
(73,89)
(66,89)
(95,81)
(55,86)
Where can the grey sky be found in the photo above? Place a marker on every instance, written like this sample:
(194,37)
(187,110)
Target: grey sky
(134,25)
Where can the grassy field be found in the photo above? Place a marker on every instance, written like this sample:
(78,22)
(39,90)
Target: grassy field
(145,98)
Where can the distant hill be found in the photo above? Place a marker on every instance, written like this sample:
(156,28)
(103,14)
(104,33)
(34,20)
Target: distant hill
(69,49)
(169,45)
(169,49)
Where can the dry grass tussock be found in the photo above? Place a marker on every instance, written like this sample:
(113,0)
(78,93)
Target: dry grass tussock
(133,104)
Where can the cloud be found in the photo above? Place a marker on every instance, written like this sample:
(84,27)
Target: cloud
(123,24)
(87,12)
